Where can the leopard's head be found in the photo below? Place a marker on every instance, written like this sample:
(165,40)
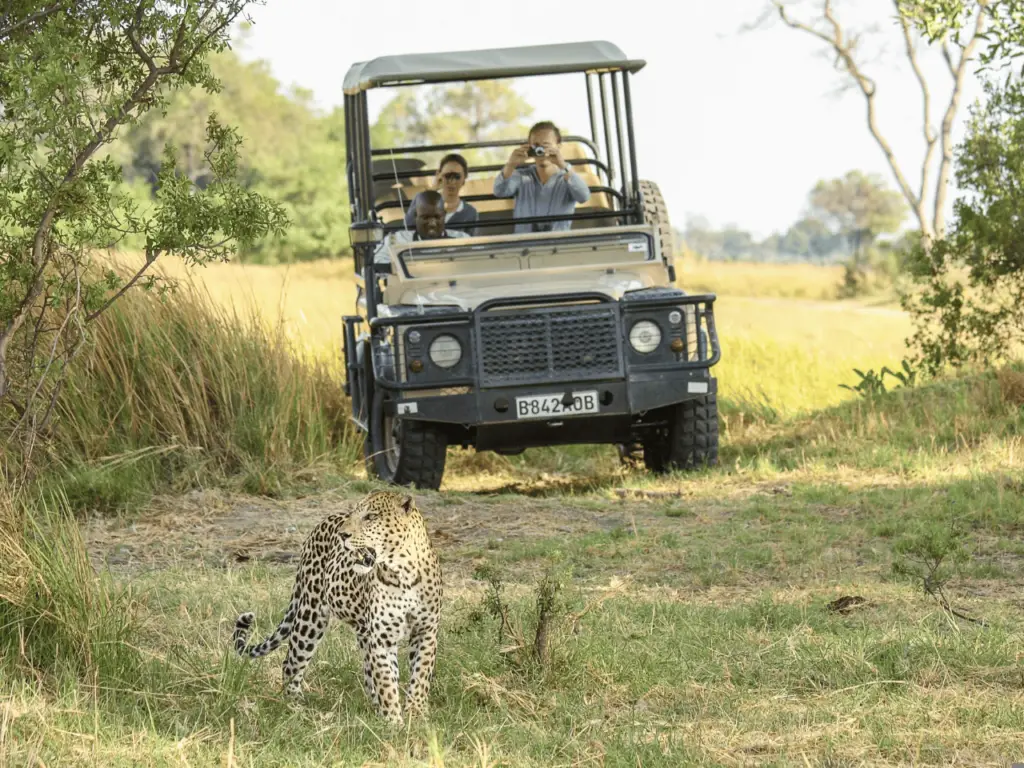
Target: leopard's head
(377,528)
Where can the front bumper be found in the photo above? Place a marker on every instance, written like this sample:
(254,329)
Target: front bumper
(530,346)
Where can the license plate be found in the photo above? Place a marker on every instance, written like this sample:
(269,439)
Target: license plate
(547,406)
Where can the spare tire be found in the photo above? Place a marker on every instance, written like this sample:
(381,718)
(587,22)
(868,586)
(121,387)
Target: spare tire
(656,213)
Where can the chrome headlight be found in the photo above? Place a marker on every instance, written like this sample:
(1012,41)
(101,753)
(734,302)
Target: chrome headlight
(645,336)
(445,351)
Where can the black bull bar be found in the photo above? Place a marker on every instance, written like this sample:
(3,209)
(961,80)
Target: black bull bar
(557,338)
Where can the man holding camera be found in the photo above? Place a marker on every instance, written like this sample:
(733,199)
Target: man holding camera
(548,187)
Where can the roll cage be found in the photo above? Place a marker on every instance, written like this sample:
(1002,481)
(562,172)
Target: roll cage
(373,172)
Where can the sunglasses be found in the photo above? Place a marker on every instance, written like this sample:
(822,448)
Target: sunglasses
(453,176)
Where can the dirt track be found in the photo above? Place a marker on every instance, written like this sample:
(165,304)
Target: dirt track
(215,528)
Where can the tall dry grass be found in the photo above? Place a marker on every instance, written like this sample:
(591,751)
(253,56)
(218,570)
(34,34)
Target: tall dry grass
(57,615)
(180,389)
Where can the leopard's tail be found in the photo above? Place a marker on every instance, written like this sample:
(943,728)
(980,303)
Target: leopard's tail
(243,626)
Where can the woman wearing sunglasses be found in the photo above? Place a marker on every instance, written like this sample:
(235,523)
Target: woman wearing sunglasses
(450,179)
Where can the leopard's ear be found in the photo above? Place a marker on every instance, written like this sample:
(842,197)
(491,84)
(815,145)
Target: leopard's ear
(408,504)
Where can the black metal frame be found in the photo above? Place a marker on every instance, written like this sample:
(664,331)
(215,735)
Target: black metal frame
(612,161)
(614,193)
(423,149)
(385,176)
(484,223)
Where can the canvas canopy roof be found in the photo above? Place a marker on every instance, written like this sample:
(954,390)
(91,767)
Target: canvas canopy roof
(414,68)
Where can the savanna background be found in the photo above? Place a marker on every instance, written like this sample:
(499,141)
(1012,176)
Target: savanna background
(843,589)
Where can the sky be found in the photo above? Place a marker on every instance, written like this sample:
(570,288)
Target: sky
(735,126)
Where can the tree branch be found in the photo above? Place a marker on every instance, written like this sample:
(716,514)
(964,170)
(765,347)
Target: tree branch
(70,314)
(141,52)
(946,164)
(35,288)
(69,359)
(947,56)
(228,20)
(151,256)
(845,59)
(42,13)
(929,133)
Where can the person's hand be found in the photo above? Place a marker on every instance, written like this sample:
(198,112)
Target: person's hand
(519,155)
(517,158)
(435,184)
(555,155)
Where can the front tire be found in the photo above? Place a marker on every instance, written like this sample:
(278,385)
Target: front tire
(691,440)
(403,452)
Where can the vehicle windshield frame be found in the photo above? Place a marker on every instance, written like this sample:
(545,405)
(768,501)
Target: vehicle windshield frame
(455,248)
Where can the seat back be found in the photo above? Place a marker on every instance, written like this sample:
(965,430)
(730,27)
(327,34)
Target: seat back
(502,207)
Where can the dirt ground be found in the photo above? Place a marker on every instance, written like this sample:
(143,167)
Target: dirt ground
(213,528)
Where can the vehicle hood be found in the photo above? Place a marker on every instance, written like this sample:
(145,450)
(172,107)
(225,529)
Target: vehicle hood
(468,294)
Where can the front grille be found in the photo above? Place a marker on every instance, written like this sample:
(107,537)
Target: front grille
(549,344)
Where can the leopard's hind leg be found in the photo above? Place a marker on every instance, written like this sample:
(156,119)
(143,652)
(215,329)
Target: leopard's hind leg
(311,619)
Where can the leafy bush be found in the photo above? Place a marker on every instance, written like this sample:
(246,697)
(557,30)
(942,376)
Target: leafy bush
(968,298)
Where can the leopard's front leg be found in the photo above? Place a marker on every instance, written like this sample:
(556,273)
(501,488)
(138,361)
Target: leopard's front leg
(363,640)
(383,654)
(422,657)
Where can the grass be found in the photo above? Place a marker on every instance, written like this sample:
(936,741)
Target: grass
(184,391)
(702,632)
(777,281)
(713,646)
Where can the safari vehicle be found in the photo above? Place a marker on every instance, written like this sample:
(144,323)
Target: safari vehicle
(506,341)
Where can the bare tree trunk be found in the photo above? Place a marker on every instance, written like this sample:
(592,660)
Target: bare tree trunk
(842,44)
(958,72)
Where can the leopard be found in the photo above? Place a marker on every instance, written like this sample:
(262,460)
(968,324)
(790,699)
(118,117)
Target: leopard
(371,566)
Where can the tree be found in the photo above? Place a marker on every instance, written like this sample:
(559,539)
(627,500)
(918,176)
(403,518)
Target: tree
(970,304)
(736,243)
(859,207)
(701,238)
(292,152)
(466,112)
(72,74)
(810,238)
(843,46)
(938,20)
(482,110)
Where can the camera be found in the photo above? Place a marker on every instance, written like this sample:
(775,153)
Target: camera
(535,151)
(452,176)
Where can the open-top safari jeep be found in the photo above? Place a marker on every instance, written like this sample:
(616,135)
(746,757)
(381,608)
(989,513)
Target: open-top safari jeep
(506,341)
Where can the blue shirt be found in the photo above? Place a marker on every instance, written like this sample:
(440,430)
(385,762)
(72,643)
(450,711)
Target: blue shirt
(558,197)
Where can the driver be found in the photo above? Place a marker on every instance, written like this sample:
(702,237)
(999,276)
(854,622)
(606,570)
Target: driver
(549,187)
(430,224)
